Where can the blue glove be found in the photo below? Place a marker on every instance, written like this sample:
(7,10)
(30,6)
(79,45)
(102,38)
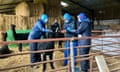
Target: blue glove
(68,29)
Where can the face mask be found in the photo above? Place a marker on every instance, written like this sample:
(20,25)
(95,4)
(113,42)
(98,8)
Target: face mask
(79,20)
(56,21)
(45,20)
(66,21)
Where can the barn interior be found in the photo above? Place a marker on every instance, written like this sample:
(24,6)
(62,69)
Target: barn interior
(104,16)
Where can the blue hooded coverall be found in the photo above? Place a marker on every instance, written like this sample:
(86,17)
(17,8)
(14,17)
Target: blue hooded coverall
(37,31)
(84,29)
(71,25)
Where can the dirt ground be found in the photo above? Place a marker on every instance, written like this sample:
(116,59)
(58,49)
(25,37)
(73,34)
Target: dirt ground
(24,59)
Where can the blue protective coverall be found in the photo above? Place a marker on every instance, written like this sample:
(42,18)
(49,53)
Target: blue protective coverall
(71,25)
(37,31)
(84,29)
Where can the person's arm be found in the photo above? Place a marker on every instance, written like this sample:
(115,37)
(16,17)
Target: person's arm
(58,26)
(83,26)
(71,28)
(42,28)
(45,29)
(65,26)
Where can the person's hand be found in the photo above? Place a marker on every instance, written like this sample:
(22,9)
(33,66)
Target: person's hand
(68,29)
(63,31)
(50,31)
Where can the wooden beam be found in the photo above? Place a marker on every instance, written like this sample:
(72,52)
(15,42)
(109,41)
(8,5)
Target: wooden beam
(7,10)
(102,65)
(39,1)
(14,3)
(73,1)
(66,11)
(93,18)
(8,4)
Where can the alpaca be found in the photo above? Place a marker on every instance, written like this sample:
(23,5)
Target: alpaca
(49,45)
(19,36)
(4,49)
(57,34)
(46,46)
(4,36)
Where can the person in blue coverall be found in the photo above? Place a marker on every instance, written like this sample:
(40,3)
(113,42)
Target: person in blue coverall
(37,31)
(70,23)
(83,30)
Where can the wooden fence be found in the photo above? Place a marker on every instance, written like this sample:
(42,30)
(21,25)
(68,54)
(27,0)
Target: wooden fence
(21,22)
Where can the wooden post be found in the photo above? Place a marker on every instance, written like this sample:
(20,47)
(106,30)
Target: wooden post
(1,22)
(91,64)
(102,65)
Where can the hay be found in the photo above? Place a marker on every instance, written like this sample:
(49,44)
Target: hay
(24,59)
(36,9)
(22,9)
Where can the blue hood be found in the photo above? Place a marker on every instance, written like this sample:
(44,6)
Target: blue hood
(43,18)
(82,16)
(67,16)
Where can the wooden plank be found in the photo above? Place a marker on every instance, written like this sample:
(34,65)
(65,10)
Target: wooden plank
(115,69)
(102,65)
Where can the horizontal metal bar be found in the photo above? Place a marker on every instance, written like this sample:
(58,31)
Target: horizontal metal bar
(58,49)
(46,62)
(57,39)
